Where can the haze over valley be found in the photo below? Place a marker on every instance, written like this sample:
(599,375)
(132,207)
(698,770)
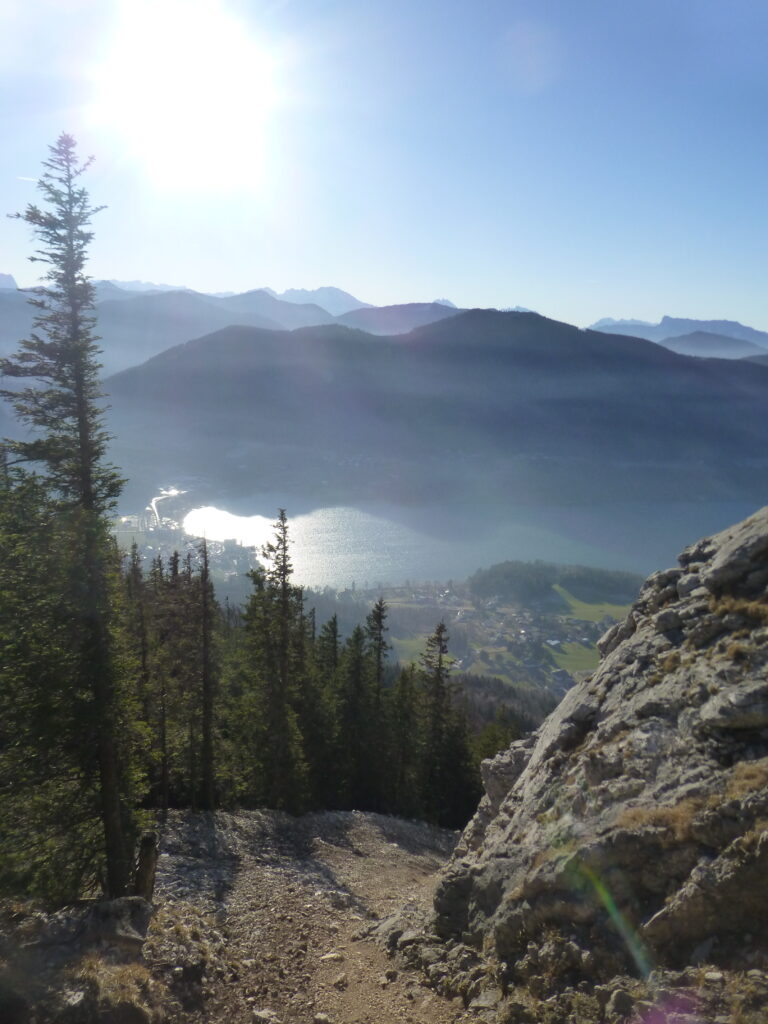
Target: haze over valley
(460,437)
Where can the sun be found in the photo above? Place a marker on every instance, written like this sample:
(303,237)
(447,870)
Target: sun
(189,91)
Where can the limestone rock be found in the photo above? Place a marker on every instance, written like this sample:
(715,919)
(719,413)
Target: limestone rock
(629,829)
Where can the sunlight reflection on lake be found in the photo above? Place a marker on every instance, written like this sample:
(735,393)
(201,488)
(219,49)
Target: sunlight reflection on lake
(340,546)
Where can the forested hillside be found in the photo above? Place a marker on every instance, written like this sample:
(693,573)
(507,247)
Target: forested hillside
(510,409)
(124,693)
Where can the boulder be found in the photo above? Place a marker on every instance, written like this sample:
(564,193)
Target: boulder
(632,825)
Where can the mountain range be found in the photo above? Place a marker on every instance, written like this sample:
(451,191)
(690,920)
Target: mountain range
(671,327)
(481,411)
(426,407)
(136,324)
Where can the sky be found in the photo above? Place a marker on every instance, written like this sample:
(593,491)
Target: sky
(590,159)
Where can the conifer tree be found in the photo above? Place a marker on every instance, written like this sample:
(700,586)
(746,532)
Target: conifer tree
(69,445)
(272,618)
(434,678)
(449,784)
(377,647)
(404,742)
(354,763)
(375,628)
(208,796)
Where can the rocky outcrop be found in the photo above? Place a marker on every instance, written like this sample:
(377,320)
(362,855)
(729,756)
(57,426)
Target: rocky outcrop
(632,829)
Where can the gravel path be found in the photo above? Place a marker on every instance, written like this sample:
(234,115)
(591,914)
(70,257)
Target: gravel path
(262,916)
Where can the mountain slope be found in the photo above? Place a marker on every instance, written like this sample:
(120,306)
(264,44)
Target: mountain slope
(334,300)
(712,346)
(288,315)
(484,406)
(136,328)
(673,327)
(397,319)
(135,325)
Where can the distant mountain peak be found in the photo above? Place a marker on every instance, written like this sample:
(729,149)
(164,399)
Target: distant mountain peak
(608,321)
(671,327)
(445,302)
(332,299)
(147,286)
(7,281)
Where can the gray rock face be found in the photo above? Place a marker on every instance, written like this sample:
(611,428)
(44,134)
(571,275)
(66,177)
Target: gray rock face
(634,824)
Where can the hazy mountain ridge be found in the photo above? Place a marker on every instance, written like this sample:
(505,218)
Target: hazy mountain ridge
(712,346)
(482,409)
(334,300)
(135,325)
(674,327)
(399,319)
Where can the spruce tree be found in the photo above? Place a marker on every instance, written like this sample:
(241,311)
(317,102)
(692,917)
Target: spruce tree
(403,747)
(69,446)
(273,617)
(449,783)
(434,681)
(207,612)
(377,647)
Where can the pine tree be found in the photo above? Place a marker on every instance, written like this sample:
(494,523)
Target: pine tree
(272,619)
(449,785)
(375,628)
(404,744)
(354,763)
(434,679)
(207,612)
(69,444)
(377,647)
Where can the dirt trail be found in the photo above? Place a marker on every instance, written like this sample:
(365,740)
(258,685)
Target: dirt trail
(261,913)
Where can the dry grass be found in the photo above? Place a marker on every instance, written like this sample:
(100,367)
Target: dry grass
(115,983)
(738,652)
(755,612)
(746,777)
(671,662)
(676,819)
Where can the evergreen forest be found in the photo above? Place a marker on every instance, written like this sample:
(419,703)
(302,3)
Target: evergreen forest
(127,689)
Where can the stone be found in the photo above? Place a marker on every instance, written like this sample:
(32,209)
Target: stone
(121,922)
(409,938)
(688,583)
(667,620)
(620,1003)
(488,999)
(640,791)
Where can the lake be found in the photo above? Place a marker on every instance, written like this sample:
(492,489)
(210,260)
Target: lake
(339,547)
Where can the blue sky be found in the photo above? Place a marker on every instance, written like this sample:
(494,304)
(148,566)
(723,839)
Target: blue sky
(585,159)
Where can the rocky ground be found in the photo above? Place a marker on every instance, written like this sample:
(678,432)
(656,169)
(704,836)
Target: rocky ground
(259,918)
(615,870)
(262,918)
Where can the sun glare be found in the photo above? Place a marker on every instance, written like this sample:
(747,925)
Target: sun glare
(189,91)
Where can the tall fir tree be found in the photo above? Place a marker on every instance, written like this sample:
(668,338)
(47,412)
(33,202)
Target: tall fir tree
(377,648)
(208,682)
(69,446)
(272,619)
